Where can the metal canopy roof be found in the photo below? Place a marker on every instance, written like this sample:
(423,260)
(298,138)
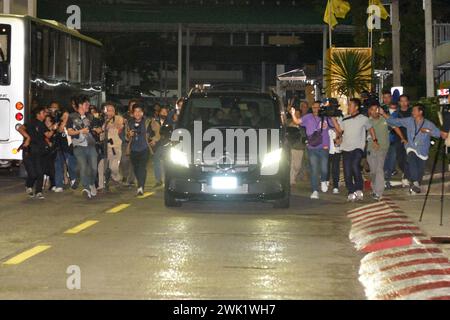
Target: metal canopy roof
(197,27)
(154,16)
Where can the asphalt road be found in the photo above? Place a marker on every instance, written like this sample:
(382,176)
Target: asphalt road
(199,251)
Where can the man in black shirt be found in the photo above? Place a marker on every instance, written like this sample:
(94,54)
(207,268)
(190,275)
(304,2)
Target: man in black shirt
(34,155)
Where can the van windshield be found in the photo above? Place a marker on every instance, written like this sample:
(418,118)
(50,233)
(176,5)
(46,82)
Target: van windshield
(232,111)
(5,54)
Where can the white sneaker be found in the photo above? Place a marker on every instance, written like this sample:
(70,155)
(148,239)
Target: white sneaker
(351,197)
(315,195)
(324,187)
(58,190)
(335,191)
(74,184)
(140,191)
(415,188)
(30,192)
(39,196)
(93,191)
(405,183)
(86,193)
(359,195)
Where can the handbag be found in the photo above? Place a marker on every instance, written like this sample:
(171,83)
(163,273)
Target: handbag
(316,139)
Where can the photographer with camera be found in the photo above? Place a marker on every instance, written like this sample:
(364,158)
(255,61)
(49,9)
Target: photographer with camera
(158,142)
(35,150)
(112,129)
(138,146)
(317,125)
(417,145)
(353,130)
(80,128)
(64,154)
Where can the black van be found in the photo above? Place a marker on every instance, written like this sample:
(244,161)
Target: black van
(232,173)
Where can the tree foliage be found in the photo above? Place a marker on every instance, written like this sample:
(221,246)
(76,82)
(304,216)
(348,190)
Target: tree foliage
(349,73)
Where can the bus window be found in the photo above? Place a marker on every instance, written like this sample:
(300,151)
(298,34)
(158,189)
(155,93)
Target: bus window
(74,71)
(85,63)
(5,56)
(52,54)
(97,68)
(36,51)
(60,57)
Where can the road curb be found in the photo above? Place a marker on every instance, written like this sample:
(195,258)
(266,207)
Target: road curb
(401,261)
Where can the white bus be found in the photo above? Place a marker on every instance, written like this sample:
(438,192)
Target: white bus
(41,61)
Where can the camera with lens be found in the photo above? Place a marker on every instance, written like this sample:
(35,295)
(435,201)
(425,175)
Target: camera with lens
(57,116)
(368,99)
(330,108)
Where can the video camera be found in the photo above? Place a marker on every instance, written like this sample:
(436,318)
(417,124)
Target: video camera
(330,108)
(368,99)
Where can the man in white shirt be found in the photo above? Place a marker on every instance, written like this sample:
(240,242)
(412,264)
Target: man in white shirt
(353,130)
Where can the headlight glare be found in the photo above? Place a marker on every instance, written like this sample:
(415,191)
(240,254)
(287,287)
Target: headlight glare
(272,158)
(179,158)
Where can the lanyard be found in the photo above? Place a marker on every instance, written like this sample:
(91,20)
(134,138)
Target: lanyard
(416,132)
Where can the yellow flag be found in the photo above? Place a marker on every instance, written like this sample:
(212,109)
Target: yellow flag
(336,9)
(383,12)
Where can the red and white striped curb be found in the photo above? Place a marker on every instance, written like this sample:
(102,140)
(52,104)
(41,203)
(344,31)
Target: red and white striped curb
(375,225)
(402,262)
(414,272)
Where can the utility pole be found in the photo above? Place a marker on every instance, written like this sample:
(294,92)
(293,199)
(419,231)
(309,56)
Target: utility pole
(6,6)
(180,61)
(428,7)
(396,63)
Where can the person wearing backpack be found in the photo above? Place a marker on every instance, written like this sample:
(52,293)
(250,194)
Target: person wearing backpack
(318,146)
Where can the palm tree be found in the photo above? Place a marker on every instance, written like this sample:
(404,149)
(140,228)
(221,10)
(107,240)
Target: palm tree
(349,72)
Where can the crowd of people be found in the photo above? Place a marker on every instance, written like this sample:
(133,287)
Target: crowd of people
(92,147)
(388,136)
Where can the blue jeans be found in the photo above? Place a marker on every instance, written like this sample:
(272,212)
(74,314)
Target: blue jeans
(87,163)
(353,171)
(390,162)
(63,158)
(416,167)
(318,160)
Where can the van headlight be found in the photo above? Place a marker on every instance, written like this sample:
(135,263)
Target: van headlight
(271,159)
(179,158)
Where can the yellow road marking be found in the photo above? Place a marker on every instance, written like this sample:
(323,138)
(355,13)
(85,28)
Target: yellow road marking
(26,255)
(146,195)
(118,208)
(81,227)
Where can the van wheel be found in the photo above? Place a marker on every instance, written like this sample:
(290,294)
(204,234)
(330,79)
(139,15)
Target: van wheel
(284,203)
(170,200)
